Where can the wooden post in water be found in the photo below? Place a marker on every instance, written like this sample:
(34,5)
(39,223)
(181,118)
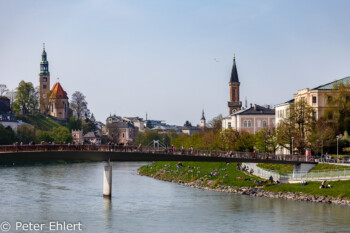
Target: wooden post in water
(107,181)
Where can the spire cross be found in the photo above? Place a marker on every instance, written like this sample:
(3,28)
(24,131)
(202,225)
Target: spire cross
(234,56)
(44,46)
(58,79)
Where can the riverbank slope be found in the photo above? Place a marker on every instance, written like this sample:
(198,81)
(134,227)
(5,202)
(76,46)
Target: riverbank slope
(225,177)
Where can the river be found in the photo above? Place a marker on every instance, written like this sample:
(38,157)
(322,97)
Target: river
(72,194)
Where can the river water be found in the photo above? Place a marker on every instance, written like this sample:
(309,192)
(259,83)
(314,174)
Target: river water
(72,194)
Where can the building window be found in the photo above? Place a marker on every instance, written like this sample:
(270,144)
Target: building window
(51,107)
(249,124)
(314,115)
(329,99)
(229,124)
(314,99)
(65,107)
(44,79)
(264,124)
(123,135)
(44,86)
(245,124)
(259,123)
(234,94)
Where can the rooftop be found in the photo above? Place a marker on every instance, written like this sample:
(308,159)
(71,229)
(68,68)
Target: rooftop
(330,86)
(58,92)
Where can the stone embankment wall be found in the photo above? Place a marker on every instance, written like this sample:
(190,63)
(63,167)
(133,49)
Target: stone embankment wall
(258,192)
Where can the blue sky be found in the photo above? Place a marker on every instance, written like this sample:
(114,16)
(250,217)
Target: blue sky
(133,57)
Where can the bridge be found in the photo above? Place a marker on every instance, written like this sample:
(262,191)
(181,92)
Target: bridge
(132,153)
(38,153)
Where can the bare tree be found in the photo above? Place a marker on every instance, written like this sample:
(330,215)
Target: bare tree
(79,105)
(3,89)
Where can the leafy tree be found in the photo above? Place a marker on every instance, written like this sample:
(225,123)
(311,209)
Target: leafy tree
(61,134)
(188,124)
(246,142)
(216,123)
(296,125)
(322,135)
(182,140)
(26,134)
(45,136)
(229,139)
(145,138)
(26,99)
(265,140)
(74,123)
(7,136)
(3,89)
(79,105)
(339,107)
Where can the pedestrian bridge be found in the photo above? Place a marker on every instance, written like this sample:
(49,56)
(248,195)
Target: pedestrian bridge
(32,153)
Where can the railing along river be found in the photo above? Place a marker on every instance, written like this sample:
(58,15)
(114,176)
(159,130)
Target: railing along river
(154,150)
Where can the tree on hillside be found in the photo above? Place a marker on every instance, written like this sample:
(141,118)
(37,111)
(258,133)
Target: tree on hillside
(74,123)
(79,105)
(216,123)
(26,134)
(61,134)
(26,100)
(3,89)
(7,136)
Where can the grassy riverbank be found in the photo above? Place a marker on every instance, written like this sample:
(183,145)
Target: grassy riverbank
(226,174)
(340,189)
(209,174)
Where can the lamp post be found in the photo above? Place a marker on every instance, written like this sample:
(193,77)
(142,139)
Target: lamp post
(337,148)
(292,146)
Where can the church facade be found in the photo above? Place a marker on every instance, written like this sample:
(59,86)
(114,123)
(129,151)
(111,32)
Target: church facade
(54,101)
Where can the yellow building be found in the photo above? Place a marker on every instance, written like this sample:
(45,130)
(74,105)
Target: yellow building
(319,97)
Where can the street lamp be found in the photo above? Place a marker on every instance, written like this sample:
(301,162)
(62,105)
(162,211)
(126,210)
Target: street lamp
(337,148)
(292,146)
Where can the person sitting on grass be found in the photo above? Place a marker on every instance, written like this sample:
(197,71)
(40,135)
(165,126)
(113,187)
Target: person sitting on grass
(303,183)
(271,179)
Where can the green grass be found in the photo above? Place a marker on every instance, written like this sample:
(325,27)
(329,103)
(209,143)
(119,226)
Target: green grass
(40,122)
(282,169)
(339,188)
(192,171)
(327,166)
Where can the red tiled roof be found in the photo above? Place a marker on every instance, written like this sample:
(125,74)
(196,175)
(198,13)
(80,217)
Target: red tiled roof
(58,92)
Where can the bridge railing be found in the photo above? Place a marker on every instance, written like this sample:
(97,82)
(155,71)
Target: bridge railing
(169,150)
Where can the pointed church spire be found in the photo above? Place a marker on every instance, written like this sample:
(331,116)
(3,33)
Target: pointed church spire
(203,118)
(44,64)
(234,74)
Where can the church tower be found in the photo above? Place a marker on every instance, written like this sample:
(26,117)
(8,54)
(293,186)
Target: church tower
(202,123)
(44,83)
(234,104)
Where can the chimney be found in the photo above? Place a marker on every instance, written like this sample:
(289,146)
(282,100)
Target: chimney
(268,106)
(251,105)
(255,107)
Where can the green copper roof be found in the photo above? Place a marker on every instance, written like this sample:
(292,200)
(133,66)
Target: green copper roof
(44,73)
(329,86)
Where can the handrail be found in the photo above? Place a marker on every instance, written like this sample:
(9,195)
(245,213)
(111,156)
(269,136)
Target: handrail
(168,150)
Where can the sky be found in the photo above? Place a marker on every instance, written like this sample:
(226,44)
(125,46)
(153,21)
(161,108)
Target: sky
(171,59)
